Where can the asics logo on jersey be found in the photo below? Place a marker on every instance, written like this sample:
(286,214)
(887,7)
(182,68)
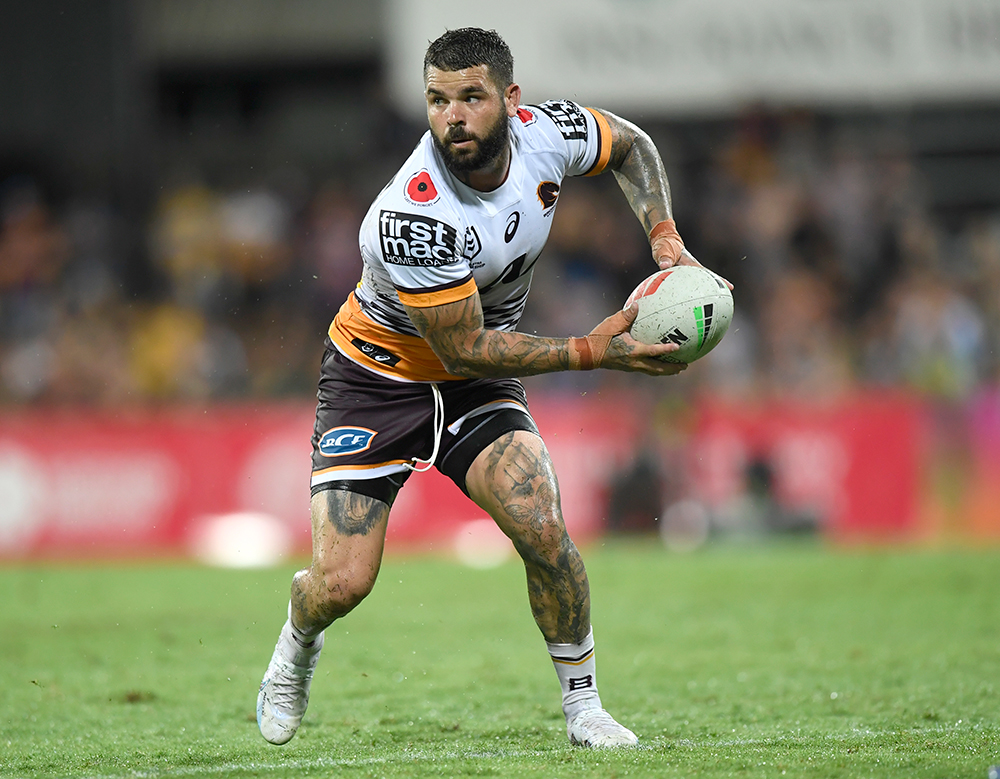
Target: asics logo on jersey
(338,441)
(408,239)
(512,222)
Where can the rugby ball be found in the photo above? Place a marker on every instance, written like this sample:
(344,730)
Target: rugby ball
(686,305)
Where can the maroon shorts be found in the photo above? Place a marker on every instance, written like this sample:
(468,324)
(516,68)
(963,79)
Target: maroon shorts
(369,428)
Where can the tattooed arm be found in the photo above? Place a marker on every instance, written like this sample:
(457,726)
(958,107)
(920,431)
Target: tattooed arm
(457,335)
(642,177)
(639,170)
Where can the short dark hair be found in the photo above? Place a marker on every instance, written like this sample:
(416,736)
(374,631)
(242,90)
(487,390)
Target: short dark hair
(467,47)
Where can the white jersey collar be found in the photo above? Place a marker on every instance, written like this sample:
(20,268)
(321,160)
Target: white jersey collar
(507,194)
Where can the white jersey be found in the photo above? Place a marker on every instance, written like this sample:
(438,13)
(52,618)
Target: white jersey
(428,239)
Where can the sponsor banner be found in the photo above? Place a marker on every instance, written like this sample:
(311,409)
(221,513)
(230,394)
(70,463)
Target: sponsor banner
(193,32)
(716,56)
(89,483)
(136,483)
(139,483)
(982,488)
(850,468)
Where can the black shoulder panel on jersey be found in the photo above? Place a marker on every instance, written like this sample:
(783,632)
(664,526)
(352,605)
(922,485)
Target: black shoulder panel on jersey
(567,117)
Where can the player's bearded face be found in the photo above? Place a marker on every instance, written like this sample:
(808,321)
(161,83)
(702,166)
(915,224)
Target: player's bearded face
(484,149)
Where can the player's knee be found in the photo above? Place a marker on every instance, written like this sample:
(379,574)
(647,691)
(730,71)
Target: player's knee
(342,587)
(549,546)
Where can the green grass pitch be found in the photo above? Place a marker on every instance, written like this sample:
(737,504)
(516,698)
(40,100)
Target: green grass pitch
(760,661)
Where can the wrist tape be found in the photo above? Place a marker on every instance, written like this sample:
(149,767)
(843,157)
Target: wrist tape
(666,241)
(588,352)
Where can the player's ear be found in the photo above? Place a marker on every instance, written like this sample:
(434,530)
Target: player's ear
(512,98)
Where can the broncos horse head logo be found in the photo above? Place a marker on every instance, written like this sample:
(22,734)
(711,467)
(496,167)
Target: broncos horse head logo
(548,191)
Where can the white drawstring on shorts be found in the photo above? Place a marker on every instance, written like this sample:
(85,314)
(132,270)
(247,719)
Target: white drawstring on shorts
(426,465)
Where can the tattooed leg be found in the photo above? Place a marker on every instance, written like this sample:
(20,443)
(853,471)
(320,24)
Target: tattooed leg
(514,481)
(348,532)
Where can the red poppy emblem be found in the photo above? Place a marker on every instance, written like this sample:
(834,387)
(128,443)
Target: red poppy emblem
(525,115)
(420,188)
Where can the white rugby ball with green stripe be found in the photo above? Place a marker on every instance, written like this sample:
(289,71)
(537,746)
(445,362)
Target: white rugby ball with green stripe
(687,305)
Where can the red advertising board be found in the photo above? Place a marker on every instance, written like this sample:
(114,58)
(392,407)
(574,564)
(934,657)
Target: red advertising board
(133,481)
(983,507)
(138,482)
(854,465)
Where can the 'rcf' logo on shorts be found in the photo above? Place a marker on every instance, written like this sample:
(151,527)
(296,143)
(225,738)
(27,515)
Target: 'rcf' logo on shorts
(339,441)
(408,239)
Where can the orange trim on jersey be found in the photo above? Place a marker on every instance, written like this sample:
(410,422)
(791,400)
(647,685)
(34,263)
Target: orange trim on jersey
(439,296)
(603,144)
(417,362)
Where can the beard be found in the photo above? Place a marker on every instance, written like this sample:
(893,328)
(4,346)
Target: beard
(487,149)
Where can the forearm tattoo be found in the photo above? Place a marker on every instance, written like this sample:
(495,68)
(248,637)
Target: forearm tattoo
(456,334)
(522,483)
(640,172)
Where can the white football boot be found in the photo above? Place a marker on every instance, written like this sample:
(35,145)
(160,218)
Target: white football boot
(597,729)
(284,693)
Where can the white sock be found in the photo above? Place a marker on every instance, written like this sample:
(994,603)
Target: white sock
(577,671)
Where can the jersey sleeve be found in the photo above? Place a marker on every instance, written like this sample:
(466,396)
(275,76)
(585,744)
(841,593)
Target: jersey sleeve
(423,254)
(583,133)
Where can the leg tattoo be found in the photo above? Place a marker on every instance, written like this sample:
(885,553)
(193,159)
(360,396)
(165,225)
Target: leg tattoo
(356,515)
(525,499)
(348,537)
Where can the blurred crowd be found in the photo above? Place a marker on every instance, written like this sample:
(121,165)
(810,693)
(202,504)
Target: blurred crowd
(844,275)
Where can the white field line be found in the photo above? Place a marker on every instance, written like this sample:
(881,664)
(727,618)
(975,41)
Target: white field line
(404,757)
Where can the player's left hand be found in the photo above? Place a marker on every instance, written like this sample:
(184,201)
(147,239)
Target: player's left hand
(686,258)
(668,248)
(666,244)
